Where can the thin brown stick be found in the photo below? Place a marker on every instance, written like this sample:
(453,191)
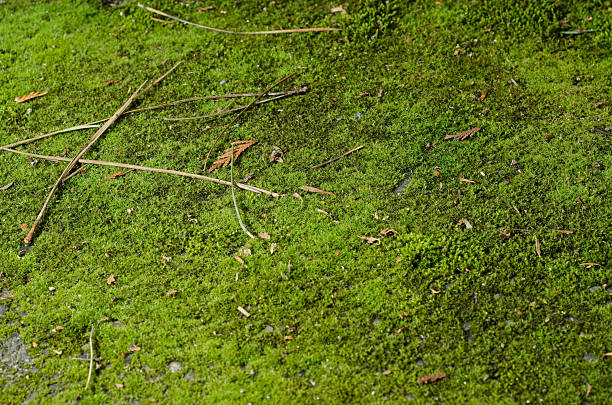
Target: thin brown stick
(225,112)
(146,169)
(231,103)
(159,79)
(336,158)
(290,31)
(242,112)
(93,124)
(74,161)
(91,358)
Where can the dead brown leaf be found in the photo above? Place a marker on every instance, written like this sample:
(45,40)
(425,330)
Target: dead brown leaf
(371,240)
(24,227)
(431,378)
(388,231)
(171,293)
(133,348)
(564,232)
(537,246)
(226,158)
(239,259)
(30,96)
(315,190)
(484,95)
(111,280)
(463,135)
(505,233)
(263,235)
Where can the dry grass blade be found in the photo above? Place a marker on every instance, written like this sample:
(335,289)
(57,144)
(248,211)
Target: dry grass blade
(231,154)
(36,138)
(290,31)
(243,186)
(30,96)
(463,135)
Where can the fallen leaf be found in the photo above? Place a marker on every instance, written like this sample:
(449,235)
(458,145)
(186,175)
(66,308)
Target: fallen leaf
(431,378)
(466,180)
(505,233)
(133,348)
(337,9)
(29,96)
(564,232)
(171,293)
(239,259)
(58,328)
(463,135)
(263,235)
(370,239)
(314,190)
(386,372)
(111,280)
(226,158)
(6,187)
(273,247)
(105,319)
(244,312)
(289,337)
(484,95)
(277,155)
(24,227)
(388,231)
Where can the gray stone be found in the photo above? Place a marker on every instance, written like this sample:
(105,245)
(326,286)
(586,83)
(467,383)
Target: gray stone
(269,329)
(14,352)
(190,376)
(118,324)
(3,309)
(595,288)
(590,358)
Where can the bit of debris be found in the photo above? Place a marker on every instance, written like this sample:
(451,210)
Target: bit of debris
(315,190)
(431,378)
(277,155)
(244,312)
(464,221)
(7,186)
(463,135)
(133,348)
(111,280)
(388,231)
(371,240)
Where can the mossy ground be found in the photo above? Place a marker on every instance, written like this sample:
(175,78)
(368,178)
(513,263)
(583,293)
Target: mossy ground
(366,321)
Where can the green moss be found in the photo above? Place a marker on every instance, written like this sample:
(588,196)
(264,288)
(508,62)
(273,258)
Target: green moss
(330,314)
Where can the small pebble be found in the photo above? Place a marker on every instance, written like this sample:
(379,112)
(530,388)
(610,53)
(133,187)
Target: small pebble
(175,367)
(222,82)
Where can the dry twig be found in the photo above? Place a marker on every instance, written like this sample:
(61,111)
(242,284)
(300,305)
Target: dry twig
(290,31)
